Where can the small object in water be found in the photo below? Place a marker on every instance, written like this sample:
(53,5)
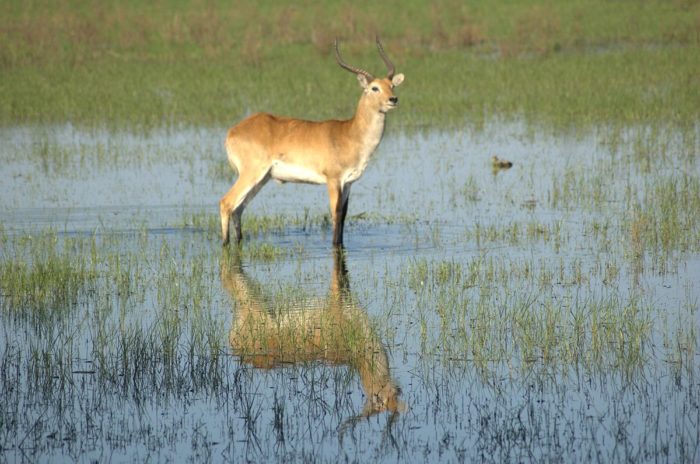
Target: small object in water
(500,163)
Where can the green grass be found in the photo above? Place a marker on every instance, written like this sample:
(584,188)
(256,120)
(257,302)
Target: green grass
(78,294)
(40,276)
(572,64)
(528,314)
(79,32)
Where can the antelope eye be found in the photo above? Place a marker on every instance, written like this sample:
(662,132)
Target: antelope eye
(375,89)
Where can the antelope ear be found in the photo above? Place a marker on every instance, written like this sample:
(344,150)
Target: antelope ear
(364,82)
(397,80)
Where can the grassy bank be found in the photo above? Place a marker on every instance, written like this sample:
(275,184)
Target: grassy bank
(200,64)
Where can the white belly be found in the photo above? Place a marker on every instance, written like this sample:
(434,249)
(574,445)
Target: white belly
(285,172)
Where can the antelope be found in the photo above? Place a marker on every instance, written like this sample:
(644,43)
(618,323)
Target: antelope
(334,330)
(333,152)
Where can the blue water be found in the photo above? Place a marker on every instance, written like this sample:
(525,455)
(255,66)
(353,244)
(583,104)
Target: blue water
(418,204)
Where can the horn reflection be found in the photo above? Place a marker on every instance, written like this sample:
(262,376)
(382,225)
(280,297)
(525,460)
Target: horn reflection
(334,329)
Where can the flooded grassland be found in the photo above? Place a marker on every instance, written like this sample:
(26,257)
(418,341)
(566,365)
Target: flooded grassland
(545,312)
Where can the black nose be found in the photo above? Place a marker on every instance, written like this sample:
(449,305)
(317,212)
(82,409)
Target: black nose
(394,100)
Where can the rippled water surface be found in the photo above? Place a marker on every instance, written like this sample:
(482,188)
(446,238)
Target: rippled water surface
(544,312)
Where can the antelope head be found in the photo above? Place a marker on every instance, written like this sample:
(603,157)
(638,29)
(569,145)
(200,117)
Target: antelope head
(378,92)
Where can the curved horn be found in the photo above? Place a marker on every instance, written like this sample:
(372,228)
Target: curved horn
(346,66)
(387,61)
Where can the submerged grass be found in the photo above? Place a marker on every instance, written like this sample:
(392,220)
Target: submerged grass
(48,281)
(260,225)
(501,331)
(658,213)
(47,274)
(485,317)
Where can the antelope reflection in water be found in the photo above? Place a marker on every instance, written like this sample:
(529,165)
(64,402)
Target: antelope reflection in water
(335,330)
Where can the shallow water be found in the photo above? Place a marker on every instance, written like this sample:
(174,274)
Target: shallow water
(522,314)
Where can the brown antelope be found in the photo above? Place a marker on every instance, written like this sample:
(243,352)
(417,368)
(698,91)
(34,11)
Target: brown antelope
(334,330)
(264,146)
